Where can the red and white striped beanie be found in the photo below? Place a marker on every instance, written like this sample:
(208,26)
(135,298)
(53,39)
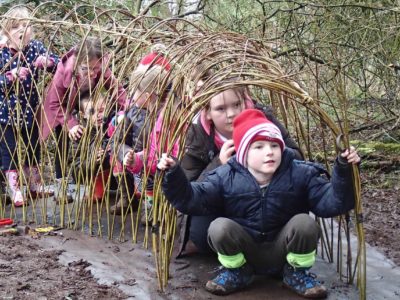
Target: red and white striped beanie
(249,126)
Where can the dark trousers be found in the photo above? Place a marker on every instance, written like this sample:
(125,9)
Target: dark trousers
(61,152)
(300,236)
(29,143)
(198,229)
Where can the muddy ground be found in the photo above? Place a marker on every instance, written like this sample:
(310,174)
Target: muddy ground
(27,271)
(30,271)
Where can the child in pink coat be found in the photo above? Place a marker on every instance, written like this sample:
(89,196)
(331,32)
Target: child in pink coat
(130,129)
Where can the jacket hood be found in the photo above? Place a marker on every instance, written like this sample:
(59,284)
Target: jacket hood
(66,65)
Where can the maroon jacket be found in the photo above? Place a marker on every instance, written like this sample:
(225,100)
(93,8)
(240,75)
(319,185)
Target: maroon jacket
(62,94)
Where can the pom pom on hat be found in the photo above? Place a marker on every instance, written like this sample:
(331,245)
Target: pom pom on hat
(155,57)
(252,125)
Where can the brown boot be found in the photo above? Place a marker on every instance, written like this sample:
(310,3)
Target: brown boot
(126,196)
(121,206)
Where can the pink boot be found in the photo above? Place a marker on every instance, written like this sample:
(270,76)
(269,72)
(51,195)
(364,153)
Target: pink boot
(36,187)
(14,190)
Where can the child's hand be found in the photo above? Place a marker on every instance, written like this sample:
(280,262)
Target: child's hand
(21,73)
(129,158)
(165,162)
(351,155)
(120,118)
(100,155)
(226,151)
(75,132)
(42,62)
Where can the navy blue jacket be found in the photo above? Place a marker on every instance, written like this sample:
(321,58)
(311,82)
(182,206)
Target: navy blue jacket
(27,95)
(231,191)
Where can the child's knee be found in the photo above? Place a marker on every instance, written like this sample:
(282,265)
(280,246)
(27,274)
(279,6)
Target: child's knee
(220,229)
(306,226)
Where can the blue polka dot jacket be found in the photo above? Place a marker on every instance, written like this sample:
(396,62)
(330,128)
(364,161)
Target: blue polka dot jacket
(19,98)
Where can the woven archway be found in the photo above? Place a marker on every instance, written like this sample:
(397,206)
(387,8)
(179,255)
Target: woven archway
(126,38)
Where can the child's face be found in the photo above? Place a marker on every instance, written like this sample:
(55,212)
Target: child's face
(143,99)
(19,35)
(224,107)
(263,159)
(94,112)
(89,69)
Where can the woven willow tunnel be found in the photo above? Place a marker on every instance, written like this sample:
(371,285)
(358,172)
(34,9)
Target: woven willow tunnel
(245,62)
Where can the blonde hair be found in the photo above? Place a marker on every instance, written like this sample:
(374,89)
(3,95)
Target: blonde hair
(13,17)
(149,80)
(89,48)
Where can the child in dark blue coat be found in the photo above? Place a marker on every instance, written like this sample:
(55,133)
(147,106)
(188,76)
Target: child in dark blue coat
(265,196)
(21,58)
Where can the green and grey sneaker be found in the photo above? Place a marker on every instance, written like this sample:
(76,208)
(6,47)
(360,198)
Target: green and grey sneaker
(303,283)
(231,280)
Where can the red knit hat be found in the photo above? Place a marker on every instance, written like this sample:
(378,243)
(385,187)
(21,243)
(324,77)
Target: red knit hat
(156,57)
(251,125)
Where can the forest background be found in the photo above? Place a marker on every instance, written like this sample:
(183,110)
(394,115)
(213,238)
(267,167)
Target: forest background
(343,53)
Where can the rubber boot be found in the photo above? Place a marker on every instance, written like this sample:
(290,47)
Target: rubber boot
(14,190)
(36,187)
(4,197)
(99,182)
(126,196)
(123,202)
(64,193)
(147,210)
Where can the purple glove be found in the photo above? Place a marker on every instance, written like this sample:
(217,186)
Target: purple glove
(23,73)
(43,62)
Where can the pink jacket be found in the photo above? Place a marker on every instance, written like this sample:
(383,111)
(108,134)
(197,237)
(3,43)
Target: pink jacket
(156,149)
(62,95)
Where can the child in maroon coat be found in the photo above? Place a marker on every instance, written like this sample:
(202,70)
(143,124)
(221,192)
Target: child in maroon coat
(81,70)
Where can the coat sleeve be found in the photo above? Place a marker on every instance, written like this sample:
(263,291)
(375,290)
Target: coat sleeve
(122,133)
(331,198)
(195,158)
(196,198)
(5,80)
(54,108)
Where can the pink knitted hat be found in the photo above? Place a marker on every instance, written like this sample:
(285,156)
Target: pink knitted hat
(252,125)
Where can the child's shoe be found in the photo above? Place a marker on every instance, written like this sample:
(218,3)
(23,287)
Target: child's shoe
(4,197)
(231,280)
(122,204)
(303,282)
(126,200)
(64,192)
(14,190)
(99,190)
(36,187)
(147,209)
